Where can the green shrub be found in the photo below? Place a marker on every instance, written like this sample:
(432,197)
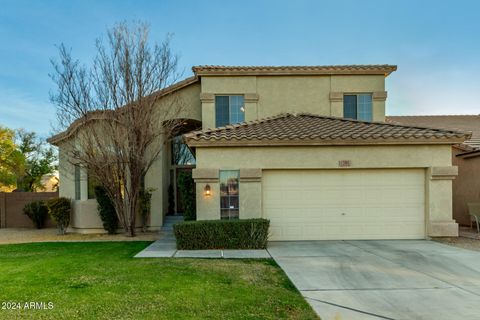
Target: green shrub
(186,187)
(59,210)
(145,204)
(106,210)
(37,211)
(222,234)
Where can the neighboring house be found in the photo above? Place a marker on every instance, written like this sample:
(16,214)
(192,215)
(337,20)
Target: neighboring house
(466,156)
(50,182)
(304,146)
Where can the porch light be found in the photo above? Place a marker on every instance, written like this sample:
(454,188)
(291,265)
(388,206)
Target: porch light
(207,190)
(242,108)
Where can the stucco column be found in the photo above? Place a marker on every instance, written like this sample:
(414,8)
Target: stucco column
(208,110)
(439,202)
(208,206)
(336,104)
(250,193)
(378,105)
(251,109)
(155,179)
(158,179)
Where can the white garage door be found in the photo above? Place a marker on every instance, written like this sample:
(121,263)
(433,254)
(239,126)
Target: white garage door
(344,204)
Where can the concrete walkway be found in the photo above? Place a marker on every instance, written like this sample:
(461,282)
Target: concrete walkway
(407,279)
(166,248)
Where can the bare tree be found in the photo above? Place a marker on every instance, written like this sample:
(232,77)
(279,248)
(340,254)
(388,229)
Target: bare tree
(118,111)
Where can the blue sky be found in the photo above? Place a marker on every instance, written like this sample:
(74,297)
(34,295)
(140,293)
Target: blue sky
(436,44)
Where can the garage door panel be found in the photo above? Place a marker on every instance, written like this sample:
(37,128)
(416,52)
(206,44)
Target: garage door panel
(344,204)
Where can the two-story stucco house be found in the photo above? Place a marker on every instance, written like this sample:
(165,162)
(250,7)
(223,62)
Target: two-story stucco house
(306,147)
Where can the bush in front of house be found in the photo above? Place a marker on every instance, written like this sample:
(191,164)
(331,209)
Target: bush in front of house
(186,186)
(145,206)
(59,210)
(222,234)
(37,211)
(106,210)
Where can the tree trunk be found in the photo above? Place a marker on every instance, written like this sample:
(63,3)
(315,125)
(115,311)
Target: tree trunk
(133,216)
(131,231)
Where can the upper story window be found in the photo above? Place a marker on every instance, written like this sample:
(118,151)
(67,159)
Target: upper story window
(358,106)
(229,110)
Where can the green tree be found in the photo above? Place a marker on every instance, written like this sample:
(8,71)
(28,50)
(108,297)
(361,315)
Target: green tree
(24,160)
(40,160)
(10,158)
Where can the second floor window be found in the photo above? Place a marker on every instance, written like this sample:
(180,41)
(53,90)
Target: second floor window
(229,110)
(358,106)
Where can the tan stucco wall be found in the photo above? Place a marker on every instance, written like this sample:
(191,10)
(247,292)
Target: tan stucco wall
(438,208)
(66,173)
(421,156)
(185,103)
(466,187)
(280,94)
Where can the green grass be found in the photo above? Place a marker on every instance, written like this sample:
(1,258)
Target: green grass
(101,280)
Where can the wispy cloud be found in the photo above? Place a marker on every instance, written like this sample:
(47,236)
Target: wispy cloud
(21,110)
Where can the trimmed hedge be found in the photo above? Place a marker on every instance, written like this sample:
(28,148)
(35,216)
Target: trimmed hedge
(222,234)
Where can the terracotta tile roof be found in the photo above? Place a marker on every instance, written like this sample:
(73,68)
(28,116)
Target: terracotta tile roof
(465,123)
(383,69)
(309,129)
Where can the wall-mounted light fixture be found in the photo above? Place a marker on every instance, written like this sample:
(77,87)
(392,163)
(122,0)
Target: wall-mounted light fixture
(207,191)
(242,108)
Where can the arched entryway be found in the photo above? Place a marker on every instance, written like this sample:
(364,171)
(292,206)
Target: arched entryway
(182,161)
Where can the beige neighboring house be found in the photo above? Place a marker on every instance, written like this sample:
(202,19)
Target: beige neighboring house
(304,146)
(50,182)
(466,156)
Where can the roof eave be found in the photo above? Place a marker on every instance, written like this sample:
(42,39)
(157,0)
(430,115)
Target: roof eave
(303,142)
(226,73)
(54,140)
(469,154)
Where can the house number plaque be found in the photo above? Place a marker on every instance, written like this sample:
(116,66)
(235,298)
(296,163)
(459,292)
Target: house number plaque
(345,163)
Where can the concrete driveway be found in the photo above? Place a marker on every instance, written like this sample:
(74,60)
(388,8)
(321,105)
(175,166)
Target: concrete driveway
(395,279)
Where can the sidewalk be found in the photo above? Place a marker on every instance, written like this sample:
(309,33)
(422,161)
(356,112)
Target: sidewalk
(166,248)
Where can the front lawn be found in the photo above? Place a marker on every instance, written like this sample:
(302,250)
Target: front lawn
(101,280)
